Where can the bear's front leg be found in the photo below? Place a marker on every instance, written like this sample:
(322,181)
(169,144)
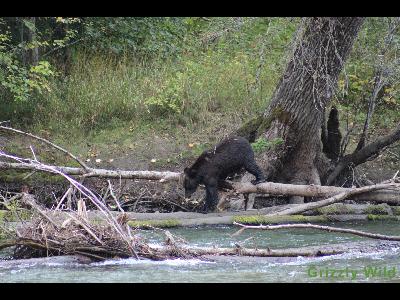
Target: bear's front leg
(211,200)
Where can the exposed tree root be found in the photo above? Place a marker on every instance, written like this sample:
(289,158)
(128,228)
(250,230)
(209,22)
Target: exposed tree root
(358,157)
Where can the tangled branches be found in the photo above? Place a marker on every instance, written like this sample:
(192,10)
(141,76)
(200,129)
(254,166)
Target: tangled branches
(44,235)
(48,234)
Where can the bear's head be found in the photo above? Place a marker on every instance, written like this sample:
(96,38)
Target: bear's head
(190,182)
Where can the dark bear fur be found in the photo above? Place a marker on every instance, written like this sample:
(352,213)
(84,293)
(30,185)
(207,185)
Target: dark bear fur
(214,166)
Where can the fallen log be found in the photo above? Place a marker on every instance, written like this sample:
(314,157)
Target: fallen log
(320,191)
(101,173)
(307,251)
(169,251)
(271,188)
(370,246)
(241,251)
(320,227)
(336,198)
(332,213)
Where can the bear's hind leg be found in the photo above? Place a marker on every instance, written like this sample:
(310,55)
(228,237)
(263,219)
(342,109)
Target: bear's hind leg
(252,167)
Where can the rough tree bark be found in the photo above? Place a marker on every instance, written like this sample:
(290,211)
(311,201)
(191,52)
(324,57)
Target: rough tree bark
(295,113)
(33,53)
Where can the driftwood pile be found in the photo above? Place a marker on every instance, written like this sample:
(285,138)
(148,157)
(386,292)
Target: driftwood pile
(43,235)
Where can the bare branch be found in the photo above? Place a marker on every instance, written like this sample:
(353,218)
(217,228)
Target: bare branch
(102,173)
(85,191)
(324,228)
(47,142)
(364,154)
(336,198)
(113,196)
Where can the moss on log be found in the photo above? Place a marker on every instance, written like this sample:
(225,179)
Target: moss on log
(338,212)
(372,217)
(155,223)
(356,209)
(250,128)
(335,209)
(396,210)
(379,209)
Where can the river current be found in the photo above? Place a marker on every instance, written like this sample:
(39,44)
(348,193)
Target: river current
(382,266)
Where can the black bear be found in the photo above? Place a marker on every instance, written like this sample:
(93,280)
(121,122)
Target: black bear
(213,166)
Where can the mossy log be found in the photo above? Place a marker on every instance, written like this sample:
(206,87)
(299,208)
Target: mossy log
(334,212)
(338,212)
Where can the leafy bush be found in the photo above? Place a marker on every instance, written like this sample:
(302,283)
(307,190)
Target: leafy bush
(140,35)
(169,98)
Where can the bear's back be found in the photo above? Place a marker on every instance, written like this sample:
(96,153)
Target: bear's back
(225,158)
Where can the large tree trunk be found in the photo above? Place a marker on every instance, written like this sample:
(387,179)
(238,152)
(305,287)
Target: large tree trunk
(33,54)
(295,113)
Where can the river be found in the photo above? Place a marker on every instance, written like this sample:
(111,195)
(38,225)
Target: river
(350,267)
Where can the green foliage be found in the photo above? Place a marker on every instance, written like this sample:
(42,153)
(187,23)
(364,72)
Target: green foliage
(355,86)
(168,98)
(190,90)
(142,35)
(262,144)
(161,70)
(19,79)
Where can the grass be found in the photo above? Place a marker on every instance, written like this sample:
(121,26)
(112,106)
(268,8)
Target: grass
(108,105)
(102,91)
